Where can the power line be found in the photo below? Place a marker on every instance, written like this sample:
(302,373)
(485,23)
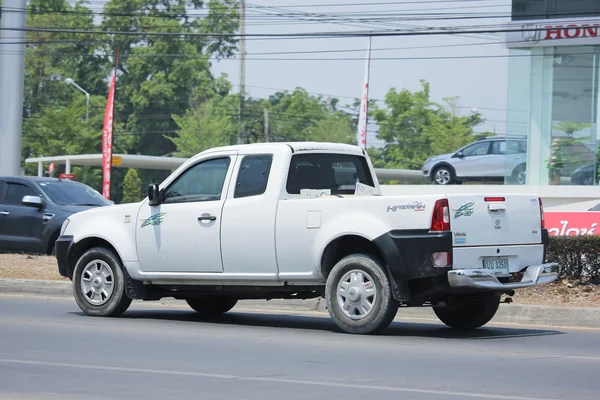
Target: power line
(304,35)
(203,56)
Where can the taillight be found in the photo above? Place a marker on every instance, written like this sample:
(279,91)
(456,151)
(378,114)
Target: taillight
(542,218)
(494,199)
(441,222)
(441,216)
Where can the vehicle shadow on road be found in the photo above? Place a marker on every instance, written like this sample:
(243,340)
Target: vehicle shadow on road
(325,324)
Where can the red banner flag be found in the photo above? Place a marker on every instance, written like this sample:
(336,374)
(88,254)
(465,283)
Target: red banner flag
(107,139)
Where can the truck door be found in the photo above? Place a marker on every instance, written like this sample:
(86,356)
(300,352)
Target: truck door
(182,234)
(248,230)
(21,225)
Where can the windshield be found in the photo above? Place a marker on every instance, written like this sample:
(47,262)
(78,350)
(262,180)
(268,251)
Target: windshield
(73,193)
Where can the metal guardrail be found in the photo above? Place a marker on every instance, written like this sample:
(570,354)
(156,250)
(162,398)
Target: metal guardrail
(401,175)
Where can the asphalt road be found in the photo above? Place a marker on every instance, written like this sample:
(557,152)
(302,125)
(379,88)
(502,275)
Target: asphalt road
(49,349)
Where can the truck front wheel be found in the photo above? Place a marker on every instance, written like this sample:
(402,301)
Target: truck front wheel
(212,306)
(99,284)
(466,312)
(359,296)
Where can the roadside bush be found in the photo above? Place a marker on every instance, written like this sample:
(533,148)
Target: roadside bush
(132,187)
(578,256)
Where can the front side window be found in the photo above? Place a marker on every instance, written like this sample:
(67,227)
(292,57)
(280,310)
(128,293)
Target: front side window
(337,172)
(478,149)
(201,182)
(15,193)
(253,176)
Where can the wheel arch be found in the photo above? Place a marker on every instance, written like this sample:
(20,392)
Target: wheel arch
(83,245)
(51,241)
(344,245)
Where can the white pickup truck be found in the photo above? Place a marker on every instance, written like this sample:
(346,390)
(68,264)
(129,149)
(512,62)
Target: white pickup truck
(299,221)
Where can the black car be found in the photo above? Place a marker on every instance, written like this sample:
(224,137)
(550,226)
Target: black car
(32,211)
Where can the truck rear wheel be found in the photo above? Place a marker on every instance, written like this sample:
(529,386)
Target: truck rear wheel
(467,312)
(359,296)
(99,284)
(212,306)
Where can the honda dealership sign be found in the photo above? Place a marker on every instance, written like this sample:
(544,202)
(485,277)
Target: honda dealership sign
(553,33)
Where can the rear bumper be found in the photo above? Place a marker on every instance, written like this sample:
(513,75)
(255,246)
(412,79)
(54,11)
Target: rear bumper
(479,279)
(63,245)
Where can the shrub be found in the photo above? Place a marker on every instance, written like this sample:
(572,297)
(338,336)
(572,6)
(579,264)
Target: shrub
(132,187)
(578,256)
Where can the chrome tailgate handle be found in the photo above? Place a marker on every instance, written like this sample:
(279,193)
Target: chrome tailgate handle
(497,207)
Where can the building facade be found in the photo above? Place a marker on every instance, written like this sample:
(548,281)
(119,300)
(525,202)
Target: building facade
(553,86)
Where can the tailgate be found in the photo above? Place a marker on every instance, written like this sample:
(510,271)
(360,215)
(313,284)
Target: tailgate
(495,220)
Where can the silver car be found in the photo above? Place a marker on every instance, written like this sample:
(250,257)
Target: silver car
(489,159)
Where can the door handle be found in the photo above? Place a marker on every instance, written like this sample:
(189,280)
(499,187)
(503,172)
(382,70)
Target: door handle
(207,217)
(47,217)
(4,213)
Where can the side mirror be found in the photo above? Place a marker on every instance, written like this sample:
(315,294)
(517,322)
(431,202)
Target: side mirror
(459,154)
(33,201)
(153,194)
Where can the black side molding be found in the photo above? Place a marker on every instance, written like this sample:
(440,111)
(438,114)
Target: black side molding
(408,254)
(63,246)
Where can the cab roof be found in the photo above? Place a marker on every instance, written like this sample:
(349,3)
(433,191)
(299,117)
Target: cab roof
(294,147)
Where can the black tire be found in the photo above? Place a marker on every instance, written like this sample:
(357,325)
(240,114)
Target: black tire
(212,306)
(468,312)
(519,175)
(446,175)
(117,302)
(384,307)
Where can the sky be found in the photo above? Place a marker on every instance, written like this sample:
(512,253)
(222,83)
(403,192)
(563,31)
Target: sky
(480,82)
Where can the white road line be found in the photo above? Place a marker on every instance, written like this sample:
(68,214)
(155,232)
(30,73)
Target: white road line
(270,379)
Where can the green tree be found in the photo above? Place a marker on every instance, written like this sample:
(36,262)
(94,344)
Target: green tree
(51,57)
(333,128)
(132,186)
(213,124)
(414,128)
(299,116)
(401,126)
(163,76)
(448,130)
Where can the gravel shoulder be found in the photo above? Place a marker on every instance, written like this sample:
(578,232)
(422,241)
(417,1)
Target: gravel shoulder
(575,293)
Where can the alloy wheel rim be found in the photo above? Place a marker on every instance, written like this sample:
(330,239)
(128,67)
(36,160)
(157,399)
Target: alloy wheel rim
(356,294)
(442,176)
(97,282)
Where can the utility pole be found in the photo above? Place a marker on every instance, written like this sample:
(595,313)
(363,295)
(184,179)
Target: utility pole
(12,85)
(242,69)
(266,125)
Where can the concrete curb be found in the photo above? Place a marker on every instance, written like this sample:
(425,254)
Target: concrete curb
(36,287)
(583,317)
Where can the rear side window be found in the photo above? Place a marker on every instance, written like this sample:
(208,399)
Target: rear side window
(253,176)
(15,193)
(337,172)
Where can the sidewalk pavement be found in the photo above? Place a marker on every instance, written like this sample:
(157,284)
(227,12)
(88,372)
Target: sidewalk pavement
(583,317)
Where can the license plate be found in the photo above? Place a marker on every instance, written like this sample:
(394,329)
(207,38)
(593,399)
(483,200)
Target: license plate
(498,266)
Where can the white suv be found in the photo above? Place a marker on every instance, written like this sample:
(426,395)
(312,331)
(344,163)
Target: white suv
(489,159)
